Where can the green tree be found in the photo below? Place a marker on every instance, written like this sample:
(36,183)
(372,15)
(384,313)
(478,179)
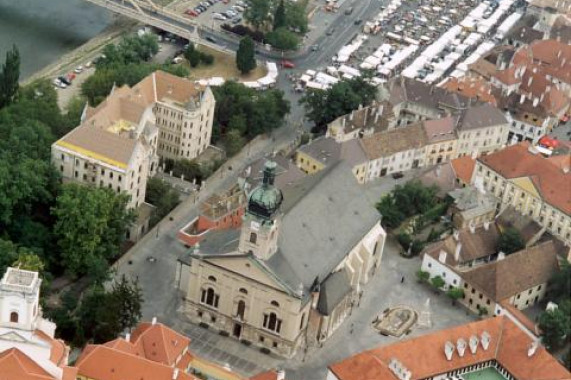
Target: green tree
(29,261)
(280,16)
(8,254)
(187,168)
(283,39)
(556,325)
(72,118)
(131,50)
(257,112)
(455,294)
(322,107)
(560,283)
(161,195)
(422,276)
(245,59)
(437,282)
(510,241)
(127,299)
(258,12)
(233,142)
(296,15)
(91,224)
(9,77)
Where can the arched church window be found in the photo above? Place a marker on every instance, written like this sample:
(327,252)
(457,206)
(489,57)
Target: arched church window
(212,278)
(243,291)
(209,297)
(275,303)
(14,317)
(272,322)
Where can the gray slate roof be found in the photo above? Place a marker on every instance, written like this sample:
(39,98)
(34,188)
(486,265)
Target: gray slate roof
(481,116)
(325,216)
(333,290)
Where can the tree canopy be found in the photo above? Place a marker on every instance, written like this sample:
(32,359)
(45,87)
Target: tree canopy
(161,195)
(510,241)
(258,12)
(9,77)
(131,50)
(556,325)
(91,224)
(245,56)
(251,112)
(283,39)
(322,107)
(280,16)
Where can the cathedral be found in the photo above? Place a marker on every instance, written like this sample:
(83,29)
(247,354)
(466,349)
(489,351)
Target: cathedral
(293,271)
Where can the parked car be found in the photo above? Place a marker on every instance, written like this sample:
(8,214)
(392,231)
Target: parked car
(287,64)
(237,20)
(231,13)
(64,80)
(314,47)
(211,39)
(358,21)
(219,16)
(397,175)
(78,70)
(238,8)
(330,31)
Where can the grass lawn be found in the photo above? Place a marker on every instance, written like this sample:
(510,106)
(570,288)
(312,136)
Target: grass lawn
(224,66)
(484,374)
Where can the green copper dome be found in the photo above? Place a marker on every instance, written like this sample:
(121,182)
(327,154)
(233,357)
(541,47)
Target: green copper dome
(265,200)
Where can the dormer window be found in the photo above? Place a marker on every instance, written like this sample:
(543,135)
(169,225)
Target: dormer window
(253,238)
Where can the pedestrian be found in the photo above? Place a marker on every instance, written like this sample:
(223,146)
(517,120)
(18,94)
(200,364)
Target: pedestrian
(402,279)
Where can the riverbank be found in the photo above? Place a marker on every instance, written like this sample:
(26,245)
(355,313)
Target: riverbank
(85,52)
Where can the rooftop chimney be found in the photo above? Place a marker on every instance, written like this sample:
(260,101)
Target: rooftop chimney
(351,116)
(128,337)
(472,227)
(461,346)
(485,340)
(501,255)
(280,375)
(175,374)
(487,225)
(457,251)
(448,350)
(456,235)
(154,321)
(532,348)
(473,342)
(442,256)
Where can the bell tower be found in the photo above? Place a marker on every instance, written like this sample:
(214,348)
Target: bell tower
(19,299)
(261,221)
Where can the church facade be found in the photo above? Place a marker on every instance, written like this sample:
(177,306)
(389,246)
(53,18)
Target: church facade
(293,271)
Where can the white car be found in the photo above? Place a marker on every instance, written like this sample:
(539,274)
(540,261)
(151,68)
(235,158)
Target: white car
(231,13)
(238,8)
(78,70)
(218,16)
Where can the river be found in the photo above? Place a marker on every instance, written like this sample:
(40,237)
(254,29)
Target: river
(44,30)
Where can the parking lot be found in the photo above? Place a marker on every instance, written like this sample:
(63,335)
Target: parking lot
(212,13)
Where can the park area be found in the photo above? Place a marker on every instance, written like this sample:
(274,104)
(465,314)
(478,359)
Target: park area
(413,213)
(224,66)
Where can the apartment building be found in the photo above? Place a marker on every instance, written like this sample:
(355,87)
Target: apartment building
(364,121)
(184,113)
(491,348)
(396,150)
(114,147)
(521,177)
(441,141)
(481,129)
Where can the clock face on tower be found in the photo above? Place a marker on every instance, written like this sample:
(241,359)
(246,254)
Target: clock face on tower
(255,225)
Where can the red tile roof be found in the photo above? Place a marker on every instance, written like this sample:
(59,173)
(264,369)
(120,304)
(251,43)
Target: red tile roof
(549,179)
(464,168)
(424,356)
(15,365)
(159,343)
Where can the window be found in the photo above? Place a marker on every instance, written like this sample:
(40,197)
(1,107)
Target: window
(14,317)
(111,175)
(272,323)
(209,297)
(241,309)
(212,278)
(253,238)
(275,303)
(243,291)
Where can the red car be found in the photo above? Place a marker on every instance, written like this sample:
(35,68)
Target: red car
(191,12)
(288,64)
